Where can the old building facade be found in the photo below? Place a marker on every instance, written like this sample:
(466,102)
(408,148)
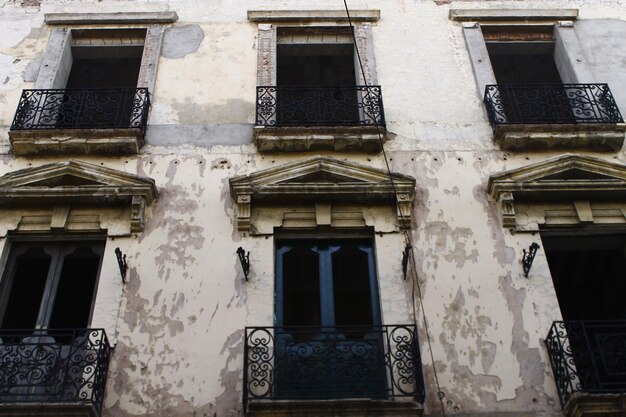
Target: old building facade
(271,208)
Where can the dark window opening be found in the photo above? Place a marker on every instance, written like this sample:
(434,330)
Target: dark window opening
(25,289)
(77,283)
(301,305)
(105,67)
(351,287)
(316,84)
(589,279)
(326,283)
(529,83)
(588,275)
(315,65)
(50,285)
(523,62)
(100,89)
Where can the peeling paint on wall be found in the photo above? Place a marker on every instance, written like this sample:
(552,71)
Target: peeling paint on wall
(180,41)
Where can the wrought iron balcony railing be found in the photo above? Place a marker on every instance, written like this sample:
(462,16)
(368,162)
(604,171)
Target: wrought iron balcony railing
(588,356)
(354,105)
(305,363)
(550,104)
(93,108)
(53,366)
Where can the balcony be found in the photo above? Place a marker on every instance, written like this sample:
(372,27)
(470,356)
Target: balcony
(80,121)
(588,360)
(373,370)
(554,116)
(53,372)
(307,118)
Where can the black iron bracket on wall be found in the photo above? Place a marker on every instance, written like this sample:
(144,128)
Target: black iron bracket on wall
(244,258)
(121,262)
(528,257)
(406,253)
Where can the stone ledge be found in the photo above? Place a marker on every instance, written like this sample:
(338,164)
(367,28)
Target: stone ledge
(334,408)
(304,139)
(535,137)
(339,15)
(76,141)
(595,405)
(47,410)
(512,15)
(110,18)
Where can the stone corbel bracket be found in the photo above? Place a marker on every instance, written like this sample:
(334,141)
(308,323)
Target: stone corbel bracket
(566,178)
(79,183)
(321,180)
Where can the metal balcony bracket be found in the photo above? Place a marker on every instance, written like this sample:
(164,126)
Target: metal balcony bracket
(405,260)
(244,259)
(121,262)
(528,257)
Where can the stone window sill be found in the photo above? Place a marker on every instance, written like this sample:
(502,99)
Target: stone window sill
(76,141)
(334,408)
(334,138)
(593,137)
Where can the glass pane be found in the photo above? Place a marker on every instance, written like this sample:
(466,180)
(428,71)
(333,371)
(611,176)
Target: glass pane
(26,289)
(74,295)
(301,286)
(351,286)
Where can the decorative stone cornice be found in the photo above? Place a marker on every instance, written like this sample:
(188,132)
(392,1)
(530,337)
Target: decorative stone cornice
(75,182)
(512,15)
(300,16)
(321,179)
(110,18)
(568,177)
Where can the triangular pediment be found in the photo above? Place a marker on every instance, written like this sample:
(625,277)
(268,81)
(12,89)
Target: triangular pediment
(321,176)
(319,170)
(71,174)
(569,180)
(322,179)
(77,183)
(565,174)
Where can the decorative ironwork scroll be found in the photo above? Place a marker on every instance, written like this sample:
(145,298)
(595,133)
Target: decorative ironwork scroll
(93,108)
(319,106)
(588,356)
(550,104)
(54,366)
(340,362)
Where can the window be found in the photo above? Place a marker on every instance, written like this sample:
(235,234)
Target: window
(326,283)
(310,87)
(48,352)
(315,80)
(94,83)
(327,341)
(532,73)
(50,285)
(577,205)
(588,275)
(328,337)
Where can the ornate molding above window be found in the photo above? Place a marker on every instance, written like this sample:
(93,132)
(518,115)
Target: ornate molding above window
(592,189)
(302,16)
(513,15)
(321,180)
(61,185)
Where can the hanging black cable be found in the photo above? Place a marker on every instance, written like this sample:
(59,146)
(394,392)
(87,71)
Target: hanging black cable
(407,236)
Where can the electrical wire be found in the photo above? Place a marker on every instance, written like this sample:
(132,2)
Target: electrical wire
(407,236)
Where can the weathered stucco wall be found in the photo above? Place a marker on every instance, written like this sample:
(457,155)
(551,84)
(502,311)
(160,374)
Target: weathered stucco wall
(179,325)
